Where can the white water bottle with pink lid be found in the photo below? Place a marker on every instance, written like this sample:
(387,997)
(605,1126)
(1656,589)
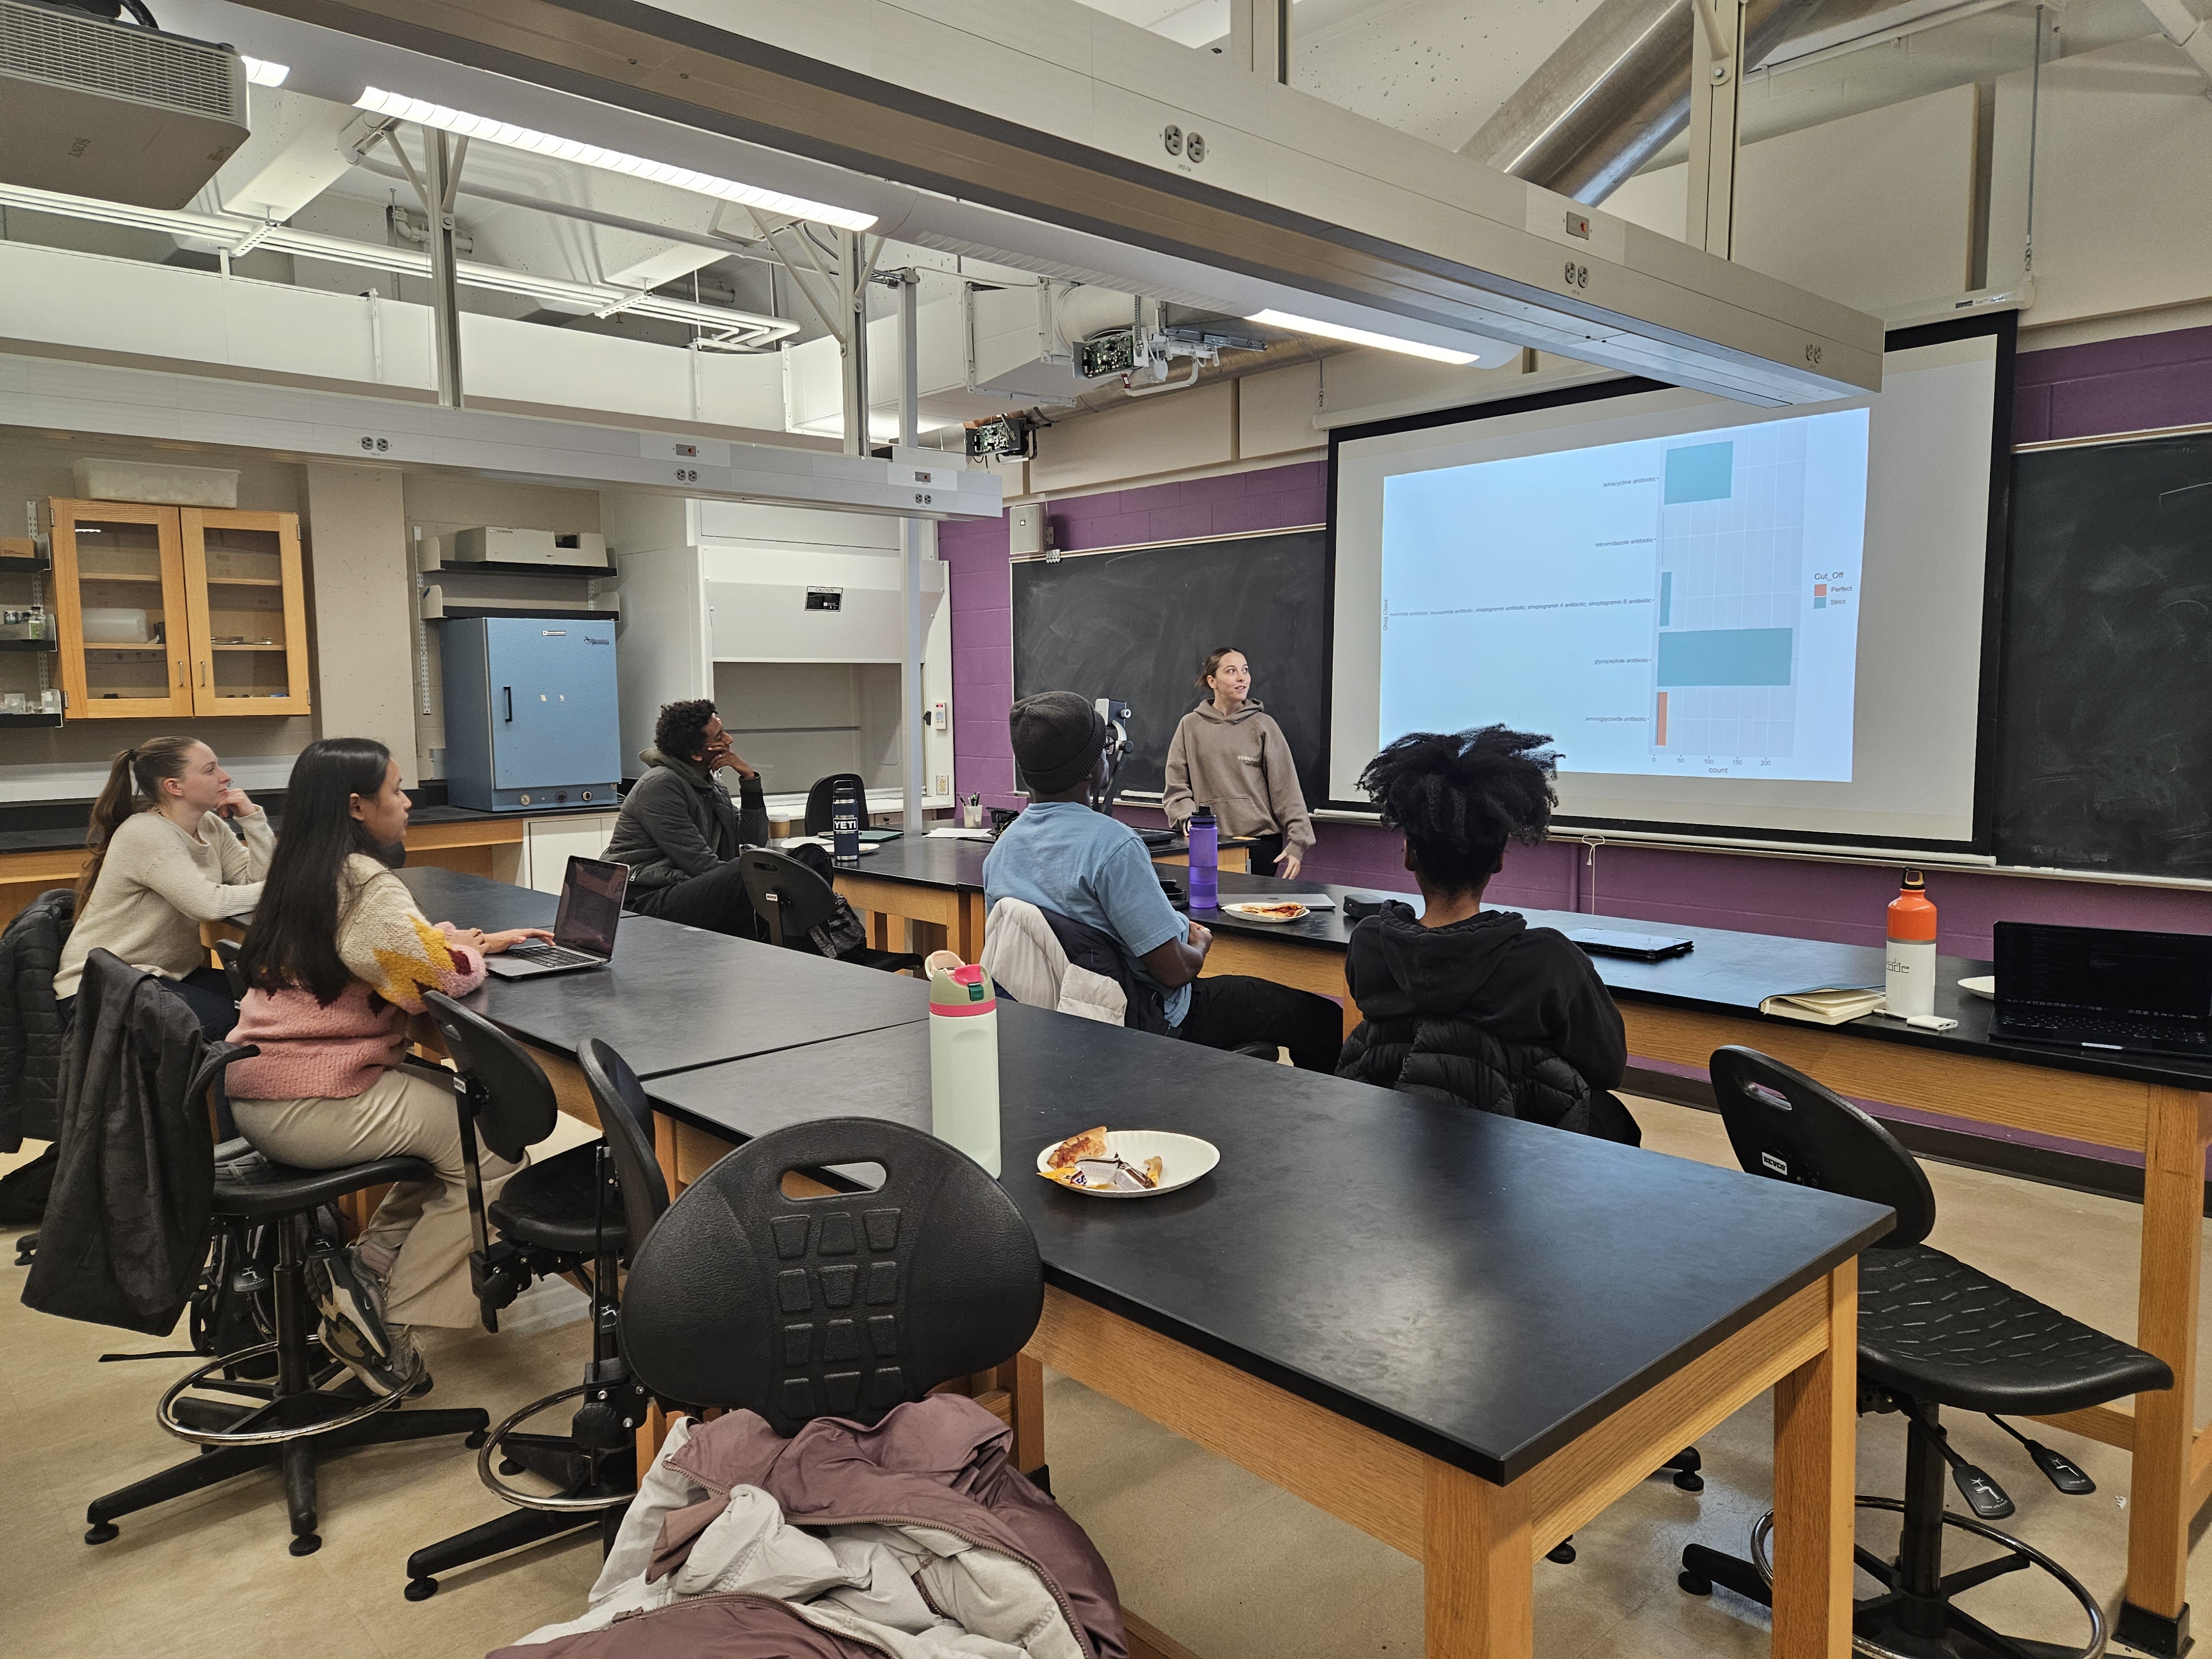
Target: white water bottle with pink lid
(963,1062)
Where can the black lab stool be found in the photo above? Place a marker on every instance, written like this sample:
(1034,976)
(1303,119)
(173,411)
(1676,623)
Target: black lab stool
(1933,1332)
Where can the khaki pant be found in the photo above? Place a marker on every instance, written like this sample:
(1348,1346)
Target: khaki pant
(403,1113)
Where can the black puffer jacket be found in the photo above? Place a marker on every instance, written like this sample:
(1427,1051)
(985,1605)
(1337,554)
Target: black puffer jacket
(31,1028)
(125,1230)
(1490,1012)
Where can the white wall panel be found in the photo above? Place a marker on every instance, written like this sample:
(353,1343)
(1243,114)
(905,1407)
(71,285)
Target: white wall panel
(1874,211)
(58,297)
(1174,430)
(2124,142)
(1275,411)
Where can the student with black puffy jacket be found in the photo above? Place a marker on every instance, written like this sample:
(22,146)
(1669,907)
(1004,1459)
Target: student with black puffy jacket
(1473,1004)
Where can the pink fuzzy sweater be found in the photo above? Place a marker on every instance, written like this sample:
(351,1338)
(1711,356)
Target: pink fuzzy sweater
(311,1051)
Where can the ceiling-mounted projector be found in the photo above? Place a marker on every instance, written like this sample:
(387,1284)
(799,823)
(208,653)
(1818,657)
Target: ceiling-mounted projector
(122,112)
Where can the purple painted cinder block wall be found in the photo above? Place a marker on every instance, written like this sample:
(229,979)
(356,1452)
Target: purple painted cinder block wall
(2135,384)
(2115,385)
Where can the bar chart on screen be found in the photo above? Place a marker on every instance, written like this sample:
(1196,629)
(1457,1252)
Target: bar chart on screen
(1683,605)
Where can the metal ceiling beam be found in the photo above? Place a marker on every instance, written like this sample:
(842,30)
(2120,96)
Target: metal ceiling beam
(1056,114)
(83,399)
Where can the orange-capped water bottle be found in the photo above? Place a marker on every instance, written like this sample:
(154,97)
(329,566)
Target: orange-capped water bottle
(1908,980)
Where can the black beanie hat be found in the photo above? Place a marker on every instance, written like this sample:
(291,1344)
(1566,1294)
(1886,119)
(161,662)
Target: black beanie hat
(1058,737)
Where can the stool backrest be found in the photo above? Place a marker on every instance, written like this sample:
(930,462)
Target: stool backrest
(822,801)
(626,1120)
(511,1104)
(790,897)
(1788,1127)
(844,1305)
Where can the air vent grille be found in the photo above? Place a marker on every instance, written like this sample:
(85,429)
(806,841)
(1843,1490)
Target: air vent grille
(40,43)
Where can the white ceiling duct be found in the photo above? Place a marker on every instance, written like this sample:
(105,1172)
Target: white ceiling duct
(727,328)
(1050,132)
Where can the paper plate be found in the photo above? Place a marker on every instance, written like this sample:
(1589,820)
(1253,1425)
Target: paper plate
(1249,909)
(1983,986)
(1184,1159)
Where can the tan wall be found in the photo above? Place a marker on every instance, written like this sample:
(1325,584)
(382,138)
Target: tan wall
(360,589)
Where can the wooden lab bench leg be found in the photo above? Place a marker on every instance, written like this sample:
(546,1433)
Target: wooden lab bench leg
(2161,1503)
(1815,1460)
(1478,1567)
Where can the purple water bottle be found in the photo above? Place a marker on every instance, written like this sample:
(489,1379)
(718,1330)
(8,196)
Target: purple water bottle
(1204,860)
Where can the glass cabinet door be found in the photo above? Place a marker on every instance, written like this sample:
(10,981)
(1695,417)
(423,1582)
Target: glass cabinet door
(249,614)
(119,604)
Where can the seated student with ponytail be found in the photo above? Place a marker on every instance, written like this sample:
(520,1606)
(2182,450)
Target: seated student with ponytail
(165,859)
(1473,1004)
(338,958)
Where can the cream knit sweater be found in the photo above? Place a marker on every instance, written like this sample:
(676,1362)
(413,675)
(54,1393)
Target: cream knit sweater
(158,884)
(313,1050)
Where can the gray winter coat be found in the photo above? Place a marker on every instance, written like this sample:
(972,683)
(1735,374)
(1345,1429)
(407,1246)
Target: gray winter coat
(678,822)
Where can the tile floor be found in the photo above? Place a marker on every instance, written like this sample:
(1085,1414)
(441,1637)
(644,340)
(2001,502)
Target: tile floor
(1223,1562)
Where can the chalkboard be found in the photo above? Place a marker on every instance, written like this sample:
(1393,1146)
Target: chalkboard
(2105,758)
(1137,624)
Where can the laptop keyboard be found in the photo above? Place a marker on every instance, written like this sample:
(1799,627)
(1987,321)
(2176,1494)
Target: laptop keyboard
(2095,1028)
(549,956)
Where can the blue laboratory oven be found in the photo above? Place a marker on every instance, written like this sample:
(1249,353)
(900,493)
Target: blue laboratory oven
(531,716)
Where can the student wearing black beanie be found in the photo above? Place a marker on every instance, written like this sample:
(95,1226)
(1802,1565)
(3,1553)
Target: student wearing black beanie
(1094,870)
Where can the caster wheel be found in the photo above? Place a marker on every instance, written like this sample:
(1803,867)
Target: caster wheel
(307,1544)
(510,1467)
(1691,1583)
(1686,1481)
(421,1590)
(102,1532)
(1564,1554)
(477,1439)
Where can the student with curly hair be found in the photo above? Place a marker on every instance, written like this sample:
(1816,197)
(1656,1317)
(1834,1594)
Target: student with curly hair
(679,832)
(1473,1004)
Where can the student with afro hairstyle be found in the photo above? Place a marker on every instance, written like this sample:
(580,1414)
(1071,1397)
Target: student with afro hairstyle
(679,832)
(1473,1004)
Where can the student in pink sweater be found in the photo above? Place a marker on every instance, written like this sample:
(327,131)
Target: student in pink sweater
(338,958)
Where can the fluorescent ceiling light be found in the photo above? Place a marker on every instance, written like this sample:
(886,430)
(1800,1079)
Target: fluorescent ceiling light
(1360,337)
(262,73)
(613,161)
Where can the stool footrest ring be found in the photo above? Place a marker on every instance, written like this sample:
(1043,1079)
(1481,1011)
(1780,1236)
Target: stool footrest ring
(532,1500)
(166,1412)
(1762,1557)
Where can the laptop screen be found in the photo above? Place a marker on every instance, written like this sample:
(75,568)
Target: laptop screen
(591,906)
(2105,970)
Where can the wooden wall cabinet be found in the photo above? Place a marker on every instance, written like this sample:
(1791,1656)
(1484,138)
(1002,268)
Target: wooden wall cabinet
(178,610)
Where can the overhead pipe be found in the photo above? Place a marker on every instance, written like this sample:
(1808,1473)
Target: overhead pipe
(1616,94)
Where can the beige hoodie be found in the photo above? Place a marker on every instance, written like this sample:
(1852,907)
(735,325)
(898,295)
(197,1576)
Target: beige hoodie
(1239,765)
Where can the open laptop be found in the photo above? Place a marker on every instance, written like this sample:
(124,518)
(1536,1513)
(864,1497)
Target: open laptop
(2104,989)
(583,929)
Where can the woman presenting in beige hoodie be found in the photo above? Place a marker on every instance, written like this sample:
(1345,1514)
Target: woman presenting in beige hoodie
(1228,754)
